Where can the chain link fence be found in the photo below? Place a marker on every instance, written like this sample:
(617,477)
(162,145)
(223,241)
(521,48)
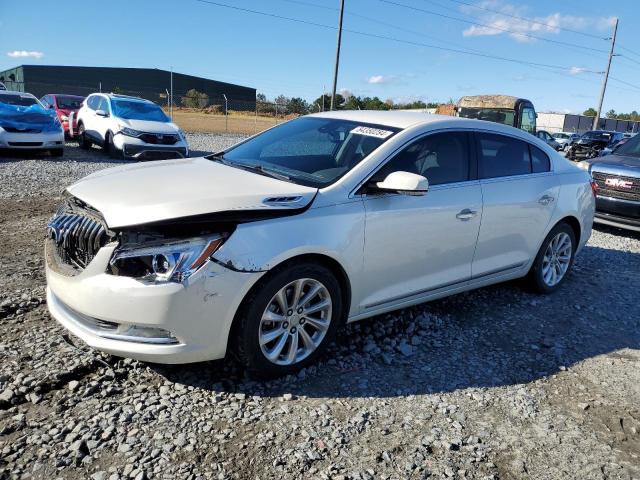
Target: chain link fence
(191,110)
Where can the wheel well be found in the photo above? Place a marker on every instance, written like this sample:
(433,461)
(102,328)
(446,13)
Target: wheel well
(336,269)
(575,226)
(328,262)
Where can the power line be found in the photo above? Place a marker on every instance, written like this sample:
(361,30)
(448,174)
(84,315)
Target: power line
(394,39)
(630,59)
(492,27)
(629,50)
(625,83)
(558,69)
(529,20)
(386,24)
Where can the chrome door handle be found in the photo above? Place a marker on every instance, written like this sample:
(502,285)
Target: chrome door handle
(546,200)
(466,214)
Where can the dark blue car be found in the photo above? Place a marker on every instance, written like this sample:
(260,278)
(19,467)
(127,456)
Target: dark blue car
(618,179)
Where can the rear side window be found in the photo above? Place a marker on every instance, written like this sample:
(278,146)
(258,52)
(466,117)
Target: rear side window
(501,156)
(539,160)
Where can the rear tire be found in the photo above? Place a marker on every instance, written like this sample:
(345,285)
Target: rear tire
(554,260)
(272,336)
(83,142)
(56,152)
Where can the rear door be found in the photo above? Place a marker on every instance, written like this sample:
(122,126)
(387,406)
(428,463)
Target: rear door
(519,196)
(415,245)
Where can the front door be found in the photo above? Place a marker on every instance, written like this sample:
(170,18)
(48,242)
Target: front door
(418,244)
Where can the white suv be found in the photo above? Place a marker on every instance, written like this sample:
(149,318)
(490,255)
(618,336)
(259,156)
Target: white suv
(130,128)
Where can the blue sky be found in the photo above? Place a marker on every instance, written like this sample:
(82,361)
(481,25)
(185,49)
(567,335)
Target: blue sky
(295,59)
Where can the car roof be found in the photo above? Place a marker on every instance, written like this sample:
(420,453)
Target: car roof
(14,92)
(404,119)
(63,95)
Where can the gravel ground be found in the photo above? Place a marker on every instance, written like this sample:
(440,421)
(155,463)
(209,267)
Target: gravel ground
(493,384)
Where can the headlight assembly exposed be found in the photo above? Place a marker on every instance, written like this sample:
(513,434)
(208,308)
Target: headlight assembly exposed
(130,132)
(173,261)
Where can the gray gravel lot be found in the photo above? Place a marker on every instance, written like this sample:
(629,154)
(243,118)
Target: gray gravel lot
(493,384)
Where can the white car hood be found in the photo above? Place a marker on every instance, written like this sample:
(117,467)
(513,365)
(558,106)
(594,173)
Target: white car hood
(170,189)
(149,126)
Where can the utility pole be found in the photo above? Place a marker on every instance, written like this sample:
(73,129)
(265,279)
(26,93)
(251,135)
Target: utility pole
(171,94)
(606,77)
(335,70)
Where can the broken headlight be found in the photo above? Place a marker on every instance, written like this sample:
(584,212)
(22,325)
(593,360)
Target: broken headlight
(173,261)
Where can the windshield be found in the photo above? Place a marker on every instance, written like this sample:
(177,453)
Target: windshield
(560,135)
(631,147)
(68,102)
(602,136)
(135,110)
(497,115)
(20,100)
(311,151)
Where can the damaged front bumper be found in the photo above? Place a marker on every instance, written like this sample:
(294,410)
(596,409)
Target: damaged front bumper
(161,323)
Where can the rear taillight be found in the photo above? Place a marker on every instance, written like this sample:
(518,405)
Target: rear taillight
(594,188)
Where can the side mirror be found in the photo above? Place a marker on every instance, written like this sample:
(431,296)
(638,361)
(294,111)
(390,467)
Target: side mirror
(405,183)
(102,113)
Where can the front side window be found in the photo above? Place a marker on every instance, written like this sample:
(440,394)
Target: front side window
(440,158)
(93,102)
(312,151)
(137,110)
(501,156)
(103,105)
(528,120)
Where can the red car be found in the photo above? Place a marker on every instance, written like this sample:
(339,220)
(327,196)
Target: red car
(64,105)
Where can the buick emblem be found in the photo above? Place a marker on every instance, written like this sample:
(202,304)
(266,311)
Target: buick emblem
(618,183)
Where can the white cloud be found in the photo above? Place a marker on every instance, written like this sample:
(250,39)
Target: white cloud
(520,29)
(380,79)
(25,54)
(577,70)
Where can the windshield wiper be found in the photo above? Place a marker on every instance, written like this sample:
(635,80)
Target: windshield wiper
(252,168)
(265,171)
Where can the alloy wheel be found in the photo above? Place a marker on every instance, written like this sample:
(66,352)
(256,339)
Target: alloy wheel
(295,321)
(556,260)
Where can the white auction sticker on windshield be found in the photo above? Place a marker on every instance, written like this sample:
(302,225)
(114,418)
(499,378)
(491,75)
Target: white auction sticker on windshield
(371,132)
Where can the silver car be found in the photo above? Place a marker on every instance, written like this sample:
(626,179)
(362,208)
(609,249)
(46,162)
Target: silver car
(565,139)
(267,248)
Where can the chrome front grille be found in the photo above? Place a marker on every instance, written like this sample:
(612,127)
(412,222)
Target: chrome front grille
(617,186)
(77,234)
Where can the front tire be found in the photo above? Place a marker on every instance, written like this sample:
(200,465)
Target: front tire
(110,147)
(83,142)
(288,319)
(554,260)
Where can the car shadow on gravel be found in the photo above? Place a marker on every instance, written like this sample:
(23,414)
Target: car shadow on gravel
(619,232)
(495,336)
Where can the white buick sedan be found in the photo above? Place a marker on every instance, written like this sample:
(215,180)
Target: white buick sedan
(267,248)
